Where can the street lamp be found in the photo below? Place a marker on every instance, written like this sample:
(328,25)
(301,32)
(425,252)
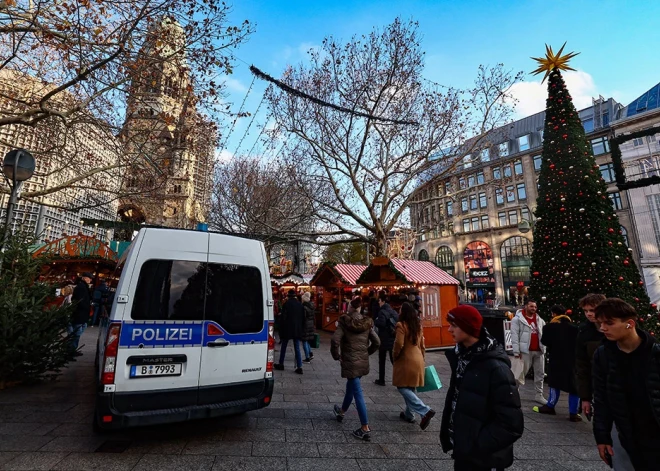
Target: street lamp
(17,166)
(524,226)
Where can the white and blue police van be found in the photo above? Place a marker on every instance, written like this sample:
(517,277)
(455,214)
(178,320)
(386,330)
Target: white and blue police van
(190,332)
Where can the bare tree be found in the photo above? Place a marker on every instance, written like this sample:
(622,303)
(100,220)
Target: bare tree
(365,164)
(68,66)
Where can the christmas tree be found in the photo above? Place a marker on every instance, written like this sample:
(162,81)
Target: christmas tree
(578,243)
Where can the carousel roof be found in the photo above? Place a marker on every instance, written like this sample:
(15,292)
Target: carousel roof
(294,278)
(77,247)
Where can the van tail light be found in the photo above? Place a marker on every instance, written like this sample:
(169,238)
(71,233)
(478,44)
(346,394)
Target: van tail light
(270,359)
(110,354)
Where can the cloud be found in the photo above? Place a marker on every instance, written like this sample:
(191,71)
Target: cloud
(235,85)
(223,156)
(531,96)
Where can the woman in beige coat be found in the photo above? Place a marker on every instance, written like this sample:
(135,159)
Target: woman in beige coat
(408,370)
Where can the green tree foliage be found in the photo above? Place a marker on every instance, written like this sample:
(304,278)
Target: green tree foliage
(578,244)
(350,252)
(33,340)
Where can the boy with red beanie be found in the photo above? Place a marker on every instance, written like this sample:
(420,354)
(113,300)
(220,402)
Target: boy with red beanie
(482,417)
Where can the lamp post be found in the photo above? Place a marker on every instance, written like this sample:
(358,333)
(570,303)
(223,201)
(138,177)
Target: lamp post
(17,166)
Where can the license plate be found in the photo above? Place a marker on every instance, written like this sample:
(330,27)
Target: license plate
(143,371)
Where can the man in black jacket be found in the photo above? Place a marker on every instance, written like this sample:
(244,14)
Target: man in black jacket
(292,327)
(386,324)
(482,417)
(588,340)
(82,302)
(626,374)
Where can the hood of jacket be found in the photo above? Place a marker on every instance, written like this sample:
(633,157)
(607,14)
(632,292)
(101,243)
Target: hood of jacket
(356,322)
(521,315)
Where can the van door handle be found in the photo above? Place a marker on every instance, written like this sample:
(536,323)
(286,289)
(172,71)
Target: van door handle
(218,343)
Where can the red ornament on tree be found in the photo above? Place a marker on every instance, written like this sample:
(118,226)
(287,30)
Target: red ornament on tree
(536,273)
(620,278)
(562,209)
(626,262)
(552,166)
(610,230)
(579,254)
(588,281)
(564,244)
(569,312)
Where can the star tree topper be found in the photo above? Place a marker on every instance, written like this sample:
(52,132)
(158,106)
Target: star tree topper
(553,61)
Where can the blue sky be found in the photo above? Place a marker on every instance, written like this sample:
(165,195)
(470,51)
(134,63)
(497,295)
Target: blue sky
(618,42)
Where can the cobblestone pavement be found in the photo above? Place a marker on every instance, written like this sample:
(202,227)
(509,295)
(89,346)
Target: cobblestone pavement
(48,426)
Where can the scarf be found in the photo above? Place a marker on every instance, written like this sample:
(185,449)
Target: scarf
(557,319)
(464,356)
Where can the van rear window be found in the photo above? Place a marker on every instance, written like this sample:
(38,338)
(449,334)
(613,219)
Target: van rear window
(170,290)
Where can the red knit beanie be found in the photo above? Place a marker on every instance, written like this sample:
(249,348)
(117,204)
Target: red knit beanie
(467,318)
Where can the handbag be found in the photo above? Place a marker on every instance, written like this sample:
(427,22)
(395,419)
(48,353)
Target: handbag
(517,367)
(431,380)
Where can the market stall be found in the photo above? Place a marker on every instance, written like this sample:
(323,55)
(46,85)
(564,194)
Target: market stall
(336,285)
(436,290)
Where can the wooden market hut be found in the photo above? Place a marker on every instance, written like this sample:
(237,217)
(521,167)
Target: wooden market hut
(437,289)
(335,283)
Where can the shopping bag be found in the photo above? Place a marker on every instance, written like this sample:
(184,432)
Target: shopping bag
(431,380)
(517,367)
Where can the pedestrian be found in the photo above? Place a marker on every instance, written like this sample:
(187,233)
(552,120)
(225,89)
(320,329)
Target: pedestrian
(559,338)
(626,378)
(386,325)
(408,369)
(99,293)
(482,417)
(291,328)
(352,343)
(310,318)
(373,305)
(526,332)
(67,293)
(82,301)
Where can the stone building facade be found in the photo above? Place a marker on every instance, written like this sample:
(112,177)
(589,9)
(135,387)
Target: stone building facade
(475,221)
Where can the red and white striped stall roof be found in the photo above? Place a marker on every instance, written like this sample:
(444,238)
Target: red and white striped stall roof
(420,272)
(350,273)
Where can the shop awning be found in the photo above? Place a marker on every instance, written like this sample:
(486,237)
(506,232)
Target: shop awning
(345,273)
(383,270)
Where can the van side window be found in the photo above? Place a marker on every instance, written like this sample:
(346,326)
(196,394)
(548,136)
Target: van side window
(170,290)
(235,298)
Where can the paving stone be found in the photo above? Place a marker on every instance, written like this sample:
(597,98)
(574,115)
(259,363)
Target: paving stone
(218,448)
(72,430)
(267,413)
(289,449)
(304,424)
(23,442)
(413,451)
(541,452)
(157,447)
(355,450)
(310,414)
(315,436)
(321,464)
(381,436)
(248,463)
(422,438)
(98,462)
(257,435)
(291,405)
(534,465)
(585,465)
(80,444)
(6,456)
(34,461)
(392,465)
(441,465)
(586,453)
(174,463)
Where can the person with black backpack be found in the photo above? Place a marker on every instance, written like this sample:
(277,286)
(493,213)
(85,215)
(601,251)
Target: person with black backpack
(386,324)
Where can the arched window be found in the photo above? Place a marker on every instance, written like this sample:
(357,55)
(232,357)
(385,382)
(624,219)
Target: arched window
(624,233)
(423,256)
(516,255)
(444,259)
(515,249)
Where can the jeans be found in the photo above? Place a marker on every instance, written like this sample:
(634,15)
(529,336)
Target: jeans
(536,359)
(354,391)
(296,349)
(414,404)
(381,363)
(75,331)
(307,349)
(573,400)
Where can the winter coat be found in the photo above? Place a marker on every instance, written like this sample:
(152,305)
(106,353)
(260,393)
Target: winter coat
(487,417)
(386,317)
(292,322)
(82,300)
(521,333)
(611,404)
(352,343)
(408,368)
(559,336)
(374,307)
(310,321)
(589,338)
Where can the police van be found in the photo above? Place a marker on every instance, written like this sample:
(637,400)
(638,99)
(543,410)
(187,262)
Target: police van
(190,332)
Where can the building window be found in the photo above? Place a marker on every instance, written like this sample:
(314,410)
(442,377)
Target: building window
(638,141)
(541,136)
(471,180)
(480,178)
(524,214)
(483,201)
(447,188)
(450,208)
(444,259)
(485,155)
(464,205)
(624,233)
(423,256)
(588,125)
(522,193)
(510,194)
(499,196)
(653,202)
(600,145)
(501,217)
(467,161)
(507,171)
(473,202)
(615,198)
(607,171)
(461,183)
(538,160)
(518,168)
(484,222)
(523,143)
(504,149)
(513,217)
(475,223)
(497,173)
(466,225)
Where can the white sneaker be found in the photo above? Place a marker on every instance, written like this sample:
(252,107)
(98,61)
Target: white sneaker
(541,400)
